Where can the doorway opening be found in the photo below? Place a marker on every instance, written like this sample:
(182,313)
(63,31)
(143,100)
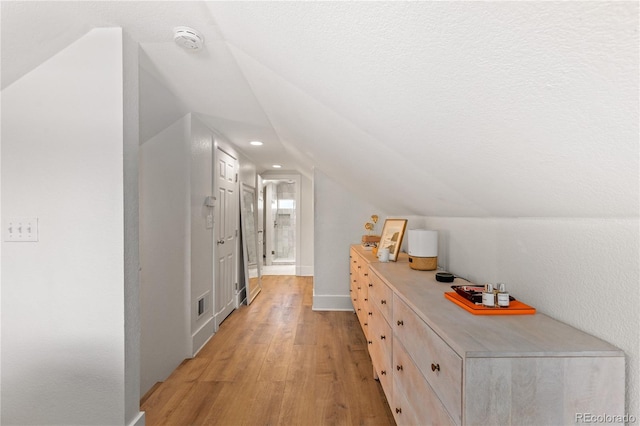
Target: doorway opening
(281,223)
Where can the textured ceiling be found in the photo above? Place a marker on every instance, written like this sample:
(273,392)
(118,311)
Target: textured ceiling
(502,109)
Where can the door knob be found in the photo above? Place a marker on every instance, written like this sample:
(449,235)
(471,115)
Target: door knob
(221,241)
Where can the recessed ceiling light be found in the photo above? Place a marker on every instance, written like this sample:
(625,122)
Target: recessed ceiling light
(256,143)
(277,166)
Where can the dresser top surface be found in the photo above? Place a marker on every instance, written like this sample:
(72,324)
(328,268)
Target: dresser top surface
(474,336)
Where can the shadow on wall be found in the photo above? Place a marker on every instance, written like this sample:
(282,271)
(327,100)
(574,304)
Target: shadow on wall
(32,393)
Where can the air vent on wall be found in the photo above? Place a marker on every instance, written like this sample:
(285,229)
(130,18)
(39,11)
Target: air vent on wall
(188,38)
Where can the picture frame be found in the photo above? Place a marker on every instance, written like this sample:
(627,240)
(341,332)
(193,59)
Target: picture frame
(391,238)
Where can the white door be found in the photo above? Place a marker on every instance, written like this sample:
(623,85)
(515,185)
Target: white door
(226,233)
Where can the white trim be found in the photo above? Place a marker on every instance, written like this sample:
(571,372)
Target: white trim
(240,302)
(298,182)
(139,420)
(304,271)
(202,335)
(332,303)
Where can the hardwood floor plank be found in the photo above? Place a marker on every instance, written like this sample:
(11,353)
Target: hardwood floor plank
(305,334)
(150,392)
(275,362)
(302,366)
(190,370)
(192,409)
(332,406)
(298,403)
(265,408)
(231,405)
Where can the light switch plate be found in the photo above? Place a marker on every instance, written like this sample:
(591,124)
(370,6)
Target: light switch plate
(21,229)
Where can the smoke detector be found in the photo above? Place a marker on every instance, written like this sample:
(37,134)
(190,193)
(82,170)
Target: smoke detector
(188,38)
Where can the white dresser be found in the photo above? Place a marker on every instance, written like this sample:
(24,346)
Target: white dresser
(439,364)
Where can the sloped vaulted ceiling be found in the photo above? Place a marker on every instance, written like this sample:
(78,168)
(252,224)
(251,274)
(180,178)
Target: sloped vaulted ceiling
(454,108)
(485,109)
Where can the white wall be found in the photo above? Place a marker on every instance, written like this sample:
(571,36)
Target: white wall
(339,220)
(63,314)
(176,247)
(159,106)
(131,231)
(306,227)
(201,250)
(164,253)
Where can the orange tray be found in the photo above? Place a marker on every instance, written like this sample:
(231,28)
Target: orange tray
(515,307)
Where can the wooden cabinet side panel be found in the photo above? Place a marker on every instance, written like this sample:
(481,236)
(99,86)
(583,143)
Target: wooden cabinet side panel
(541,390)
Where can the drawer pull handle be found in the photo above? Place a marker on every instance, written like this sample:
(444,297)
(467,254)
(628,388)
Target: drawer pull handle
(383,337)
(358,288)
(359,266)
(435,367)
(370,285)
(399,367)
(400,322)
(358,309)
(398,410)
(383,302)
(370,342)
(366,275)
(366,300)
(370,313)
(383,372)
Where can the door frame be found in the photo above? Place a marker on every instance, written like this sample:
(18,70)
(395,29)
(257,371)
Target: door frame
(297,180)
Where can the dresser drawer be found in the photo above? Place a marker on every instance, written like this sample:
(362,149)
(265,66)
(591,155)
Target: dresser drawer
(363,283)
(439,364)
(414,402)
(353,289)
(362,311)
(381,338)
(381,296)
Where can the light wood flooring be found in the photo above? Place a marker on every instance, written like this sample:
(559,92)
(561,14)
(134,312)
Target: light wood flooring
(275,362)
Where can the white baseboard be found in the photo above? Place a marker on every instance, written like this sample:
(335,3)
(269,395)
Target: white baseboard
(304,271)
(202,336)
(332,303)
(240,302)
(139,420)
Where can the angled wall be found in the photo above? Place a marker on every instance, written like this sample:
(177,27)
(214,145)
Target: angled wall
(63,313)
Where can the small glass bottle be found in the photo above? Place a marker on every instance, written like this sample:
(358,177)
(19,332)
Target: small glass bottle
(488,296)
(503,296)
